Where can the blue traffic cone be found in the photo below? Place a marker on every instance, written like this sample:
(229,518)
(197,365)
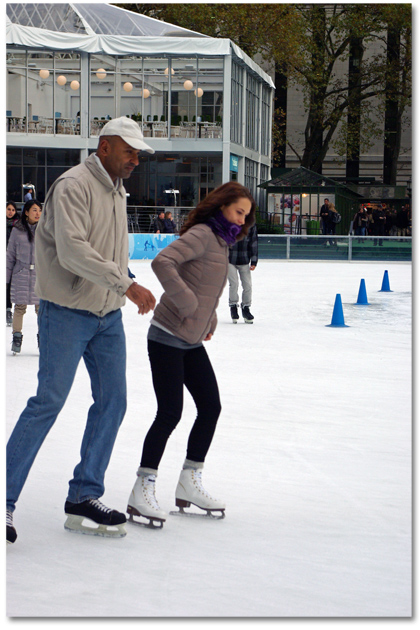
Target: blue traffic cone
(337,320)
(362,297)
(385,283)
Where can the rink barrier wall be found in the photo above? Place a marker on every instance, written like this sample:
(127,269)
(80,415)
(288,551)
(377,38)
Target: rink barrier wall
(146,246)
(297,247)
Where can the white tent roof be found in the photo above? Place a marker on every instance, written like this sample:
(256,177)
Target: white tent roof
(103,28)
(91,19)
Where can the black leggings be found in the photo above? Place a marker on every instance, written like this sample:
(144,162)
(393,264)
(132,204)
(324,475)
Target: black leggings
(172,368)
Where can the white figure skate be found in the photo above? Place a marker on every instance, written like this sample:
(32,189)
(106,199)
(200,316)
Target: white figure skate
(143,503)
(190,490)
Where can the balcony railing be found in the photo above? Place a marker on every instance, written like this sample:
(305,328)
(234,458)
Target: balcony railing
(71,126)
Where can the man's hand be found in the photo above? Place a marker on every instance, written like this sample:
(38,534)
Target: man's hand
(142,297)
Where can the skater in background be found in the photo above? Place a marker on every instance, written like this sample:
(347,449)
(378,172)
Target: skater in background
(243,258)
(360,221)
(331,223)
(324,214)
(81,259)
(379,220)
(12,218)
(20,268)
(193,272)
(169,223)
(29,194)
(159,223)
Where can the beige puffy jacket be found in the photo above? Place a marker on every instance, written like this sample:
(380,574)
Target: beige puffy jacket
(193,272)
(81,245)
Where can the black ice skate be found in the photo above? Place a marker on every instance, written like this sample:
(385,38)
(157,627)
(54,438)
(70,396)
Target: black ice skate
(246,314)
(100,520)
(234,314)
(9,316)
(17,342)
(11,534)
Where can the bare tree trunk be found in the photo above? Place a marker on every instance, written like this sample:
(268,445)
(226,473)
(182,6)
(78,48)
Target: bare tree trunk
(280,106)
(354,109)
(392,143)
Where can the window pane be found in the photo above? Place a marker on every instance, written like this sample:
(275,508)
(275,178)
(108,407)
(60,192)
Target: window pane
(67,93)
(15,90)
(40,89)
(63,157)
(34,156)
(102,91)
(14,184)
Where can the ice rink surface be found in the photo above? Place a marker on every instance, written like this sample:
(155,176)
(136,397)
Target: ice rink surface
(312,456)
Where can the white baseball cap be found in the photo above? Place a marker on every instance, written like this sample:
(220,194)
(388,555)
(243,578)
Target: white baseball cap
(128,130)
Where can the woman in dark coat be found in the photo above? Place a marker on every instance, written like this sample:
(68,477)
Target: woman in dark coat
(11,220)
(169,223)
(20,267)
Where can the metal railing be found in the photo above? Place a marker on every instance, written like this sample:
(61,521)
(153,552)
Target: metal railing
(140,219)
(332,247)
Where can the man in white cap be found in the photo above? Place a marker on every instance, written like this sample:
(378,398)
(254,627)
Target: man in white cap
(81,260)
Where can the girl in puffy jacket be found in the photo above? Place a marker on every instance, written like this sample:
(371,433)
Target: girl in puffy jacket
(20,267)
(193,272)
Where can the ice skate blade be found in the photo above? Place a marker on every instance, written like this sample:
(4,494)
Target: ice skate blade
(150,524)
(74,524)
(234,321)
(248,321)
(209,514)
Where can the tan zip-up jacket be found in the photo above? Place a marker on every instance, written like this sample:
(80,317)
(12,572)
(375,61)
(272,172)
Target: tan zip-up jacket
(81,245)
(193,272)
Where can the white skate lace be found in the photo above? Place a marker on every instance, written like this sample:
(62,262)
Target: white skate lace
(149,487)
(199,484)
(96,503)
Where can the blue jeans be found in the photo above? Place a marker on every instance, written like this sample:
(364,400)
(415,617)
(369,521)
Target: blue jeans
(65,336)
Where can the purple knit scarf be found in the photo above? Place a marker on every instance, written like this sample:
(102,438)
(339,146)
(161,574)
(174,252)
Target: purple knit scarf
(224,228)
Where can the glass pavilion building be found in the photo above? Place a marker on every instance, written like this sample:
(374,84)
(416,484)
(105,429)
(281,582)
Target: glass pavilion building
(203,104)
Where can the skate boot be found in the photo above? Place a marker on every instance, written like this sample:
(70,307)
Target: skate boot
(143,503)
(190,490)
(11,534)
(101,521)
(246,314)
(17,342)
(9,316)
(234,314)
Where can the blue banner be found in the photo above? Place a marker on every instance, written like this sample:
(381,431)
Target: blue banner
(146,246)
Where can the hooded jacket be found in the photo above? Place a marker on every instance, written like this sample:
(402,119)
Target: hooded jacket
(193,272)
(81,251)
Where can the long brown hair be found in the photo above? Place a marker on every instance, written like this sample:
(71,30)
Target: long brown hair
(224,195)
